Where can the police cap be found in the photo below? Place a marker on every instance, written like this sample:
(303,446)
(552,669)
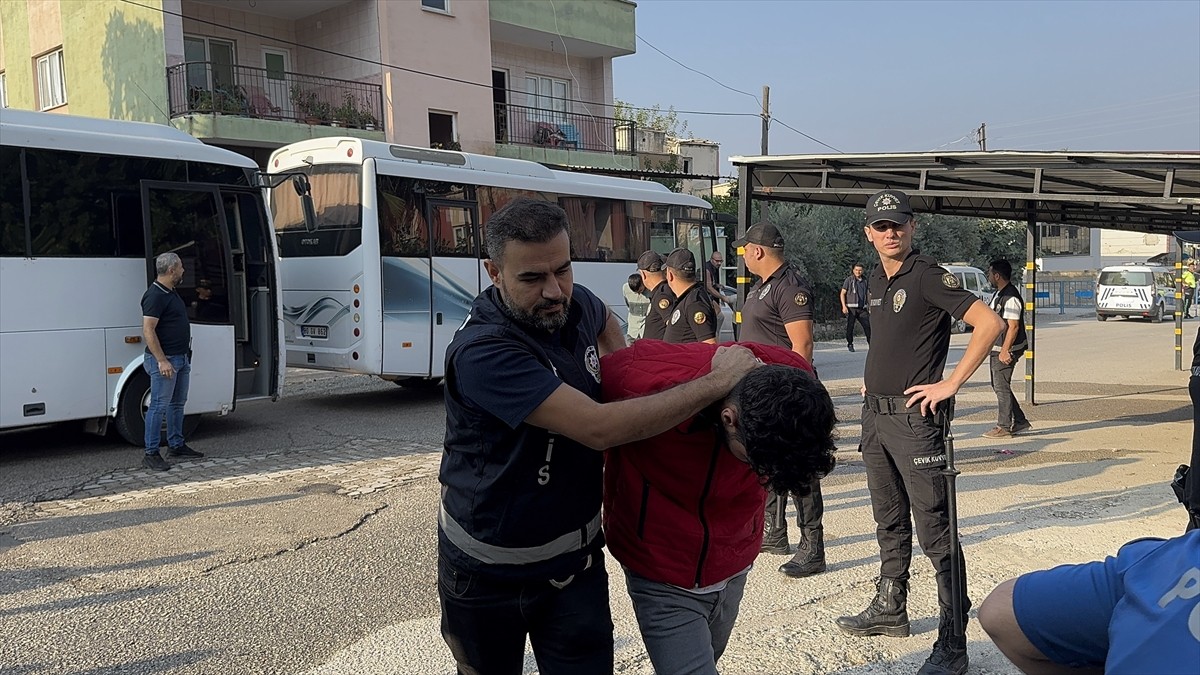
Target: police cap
(889,205)
(681,259)
(763,234)
(650,261)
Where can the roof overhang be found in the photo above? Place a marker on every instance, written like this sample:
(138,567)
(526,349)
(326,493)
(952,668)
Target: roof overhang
(1146,192)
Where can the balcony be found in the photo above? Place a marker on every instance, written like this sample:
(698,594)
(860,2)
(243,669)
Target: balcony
(259,107)
(593,29)
(558,136)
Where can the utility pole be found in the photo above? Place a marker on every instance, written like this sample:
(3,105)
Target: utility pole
(766,128)
(982,133)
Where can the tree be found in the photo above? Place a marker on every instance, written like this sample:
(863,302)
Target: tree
(653,117)
(727,204)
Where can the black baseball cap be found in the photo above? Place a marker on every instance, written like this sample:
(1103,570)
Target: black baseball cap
(889,205)
(681,259)
(763,234)
(650,261)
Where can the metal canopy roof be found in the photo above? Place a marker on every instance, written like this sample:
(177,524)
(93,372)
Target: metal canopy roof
(1146,192)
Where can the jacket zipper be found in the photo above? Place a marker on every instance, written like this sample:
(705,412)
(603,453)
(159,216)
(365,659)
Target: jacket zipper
(712,470)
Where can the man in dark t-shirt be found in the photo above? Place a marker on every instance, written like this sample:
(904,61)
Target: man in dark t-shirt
(168,362)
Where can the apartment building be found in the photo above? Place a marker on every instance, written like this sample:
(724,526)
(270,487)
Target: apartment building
(530,79)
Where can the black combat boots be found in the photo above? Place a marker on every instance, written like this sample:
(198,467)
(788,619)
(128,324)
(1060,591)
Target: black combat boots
(949,656)
(775,541)
(886,615)
(809,558)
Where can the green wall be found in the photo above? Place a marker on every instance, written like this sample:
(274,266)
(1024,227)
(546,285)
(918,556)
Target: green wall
(18,66)
(605,22)
(116,60)
(562,157)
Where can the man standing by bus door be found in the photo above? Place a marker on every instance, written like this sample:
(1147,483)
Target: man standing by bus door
(168,361)
(904,418)
(778,311)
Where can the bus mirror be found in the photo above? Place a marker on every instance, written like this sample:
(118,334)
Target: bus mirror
(300,183)
(310,212)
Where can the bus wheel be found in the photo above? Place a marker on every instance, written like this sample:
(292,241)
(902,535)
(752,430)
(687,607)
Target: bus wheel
(131,413)
(418,382)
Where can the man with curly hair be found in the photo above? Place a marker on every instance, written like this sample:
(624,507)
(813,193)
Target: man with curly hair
(683,510)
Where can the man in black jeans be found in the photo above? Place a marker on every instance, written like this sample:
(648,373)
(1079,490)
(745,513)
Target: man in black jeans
(1007,350)
(854,304)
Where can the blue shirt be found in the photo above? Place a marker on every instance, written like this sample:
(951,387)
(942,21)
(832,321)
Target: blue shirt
(1135,613)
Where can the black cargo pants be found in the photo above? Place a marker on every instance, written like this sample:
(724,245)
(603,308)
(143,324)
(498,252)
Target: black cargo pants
(905,453)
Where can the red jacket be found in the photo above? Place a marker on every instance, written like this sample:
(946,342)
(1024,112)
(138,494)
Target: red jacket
(679,508)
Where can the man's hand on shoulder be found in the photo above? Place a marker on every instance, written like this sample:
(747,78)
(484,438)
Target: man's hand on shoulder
(730,363)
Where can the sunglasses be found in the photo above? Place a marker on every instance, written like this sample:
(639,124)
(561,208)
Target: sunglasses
(885,225)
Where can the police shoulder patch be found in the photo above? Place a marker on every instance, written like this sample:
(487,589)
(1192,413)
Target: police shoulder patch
(675,316)
(801,299)
(664,303)
(950,281)
(699,317)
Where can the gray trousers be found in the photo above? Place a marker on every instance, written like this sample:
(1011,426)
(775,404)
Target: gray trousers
(684,632)
(1010,412)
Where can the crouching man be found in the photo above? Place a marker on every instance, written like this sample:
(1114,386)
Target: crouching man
(683,510)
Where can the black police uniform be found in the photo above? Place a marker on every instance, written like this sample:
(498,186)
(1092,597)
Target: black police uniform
(693,318)
(904,451)
(782,298)
(519,527)
(662,302)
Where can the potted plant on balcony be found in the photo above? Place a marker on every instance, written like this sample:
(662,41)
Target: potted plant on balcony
(347,114)
(309,105)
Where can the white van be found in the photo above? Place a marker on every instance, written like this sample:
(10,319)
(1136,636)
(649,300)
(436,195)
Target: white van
(973,279)
(1140,290)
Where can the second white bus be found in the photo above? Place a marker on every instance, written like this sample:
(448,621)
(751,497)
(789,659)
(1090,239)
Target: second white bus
(394,263)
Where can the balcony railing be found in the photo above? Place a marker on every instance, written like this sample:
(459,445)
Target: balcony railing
(219,88)
(529,125)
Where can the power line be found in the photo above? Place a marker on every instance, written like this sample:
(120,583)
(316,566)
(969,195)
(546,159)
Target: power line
(733,89)
(814,140)
(383,64)
(698,72)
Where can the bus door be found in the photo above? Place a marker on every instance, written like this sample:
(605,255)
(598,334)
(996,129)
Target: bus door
(188,220)
(250,296)
(454,271)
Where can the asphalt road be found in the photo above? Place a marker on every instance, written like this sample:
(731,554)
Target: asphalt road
(305,540)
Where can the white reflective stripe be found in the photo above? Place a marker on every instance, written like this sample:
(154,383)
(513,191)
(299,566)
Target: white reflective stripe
(502,555)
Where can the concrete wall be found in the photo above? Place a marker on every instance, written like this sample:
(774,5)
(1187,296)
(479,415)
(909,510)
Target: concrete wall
(456,46)
(18,67)
(351,29)
(602,22)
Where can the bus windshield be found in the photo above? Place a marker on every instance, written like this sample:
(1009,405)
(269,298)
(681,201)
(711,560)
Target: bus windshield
(337,199)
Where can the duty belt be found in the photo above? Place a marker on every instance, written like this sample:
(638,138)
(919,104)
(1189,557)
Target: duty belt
(890,405)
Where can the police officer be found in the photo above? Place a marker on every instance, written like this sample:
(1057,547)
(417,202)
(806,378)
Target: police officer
(693,318)
(912,302)
(519,543)
(778,311)
(662,298)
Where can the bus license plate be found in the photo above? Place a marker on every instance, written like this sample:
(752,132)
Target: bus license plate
(321,332)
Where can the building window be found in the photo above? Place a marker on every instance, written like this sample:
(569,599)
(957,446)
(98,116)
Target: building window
(1064,240)
(3,90)
(210,63)
(548,96)
(52,85)
(442,131)
(436,5)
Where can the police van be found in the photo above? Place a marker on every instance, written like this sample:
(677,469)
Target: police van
(1146,291)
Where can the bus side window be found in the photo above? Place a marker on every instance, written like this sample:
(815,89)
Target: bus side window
(127,224)
(402,227)
(12,203)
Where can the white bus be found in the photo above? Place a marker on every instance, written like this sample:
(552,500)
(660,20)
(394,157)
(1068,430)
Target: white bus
(85,206)
(394,263)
